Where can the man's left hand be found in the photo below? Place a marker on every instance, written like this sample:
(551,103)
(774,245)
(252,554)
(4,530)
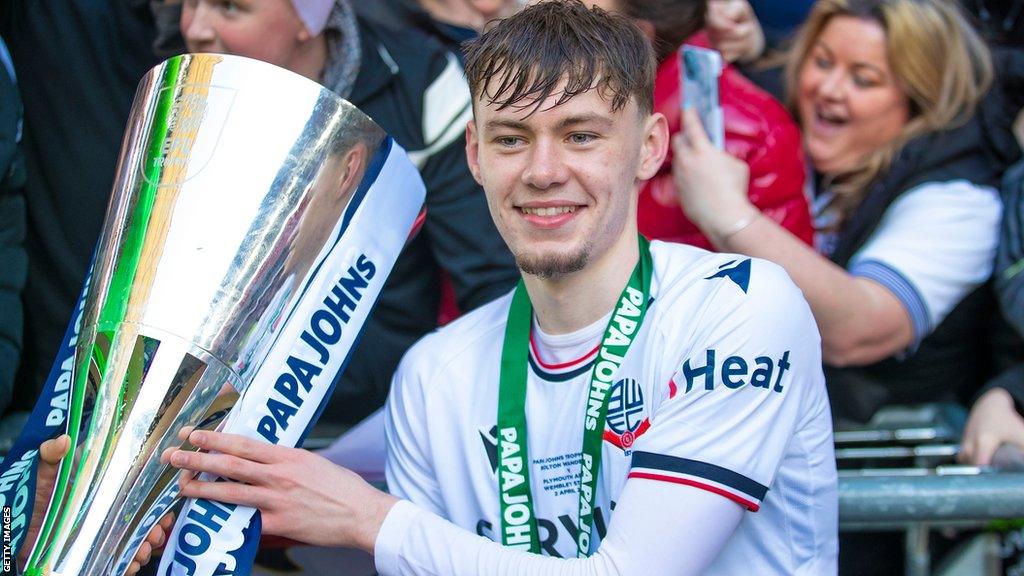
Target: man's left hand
(300,495)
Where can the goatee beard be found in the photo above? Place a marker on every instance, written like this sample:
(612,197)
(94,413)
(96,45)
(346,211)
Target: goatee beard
(553,266)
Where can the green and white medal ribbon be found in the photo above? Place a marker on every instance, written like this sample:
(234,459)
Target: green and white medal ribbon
(518,521)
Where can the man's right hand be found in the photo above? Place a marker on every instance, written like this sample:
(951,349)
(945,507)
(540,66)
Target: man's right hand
(50,454)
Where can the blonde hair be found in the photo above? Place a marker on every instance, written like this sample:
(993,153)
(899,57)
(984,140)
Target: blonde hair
(938,60)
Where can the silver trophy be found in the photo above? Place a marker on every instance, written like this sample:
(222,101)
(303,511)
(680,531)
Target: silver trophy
(236,192)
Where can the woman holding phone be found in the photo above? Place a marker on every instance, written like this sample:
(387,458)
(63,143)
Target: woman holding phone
(906,162)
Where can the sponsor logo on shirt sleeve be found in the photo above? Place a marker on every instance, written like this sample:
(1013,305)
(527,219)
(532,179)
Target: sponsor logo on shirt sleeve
(713,371)
(738,273)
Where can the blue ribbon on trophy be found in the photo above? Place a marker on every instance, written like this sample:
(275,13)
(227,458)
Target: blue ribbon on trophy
(47,420)
(312,351)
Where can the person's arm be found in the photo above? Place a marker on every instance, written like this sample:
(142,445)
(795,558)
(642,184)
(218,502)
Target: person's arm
(307,498)
(778,172)
(860,321)
(865,317)
(647,535)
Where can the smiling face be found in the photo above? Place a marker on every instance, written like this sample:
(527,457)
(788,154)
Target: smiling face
(561,182)
(267,30)
(849,100)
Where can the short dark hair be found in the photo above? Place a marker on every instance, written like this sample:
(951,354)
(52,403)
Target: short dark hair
(673,20)
(526,56)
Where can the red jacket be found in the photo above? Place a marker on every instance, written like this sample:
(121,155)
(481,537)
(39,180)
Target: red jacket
(758,130)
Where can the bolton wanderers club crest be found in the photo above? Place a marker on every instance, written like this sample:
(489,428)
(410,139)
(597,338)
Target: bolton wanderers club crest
(626,419)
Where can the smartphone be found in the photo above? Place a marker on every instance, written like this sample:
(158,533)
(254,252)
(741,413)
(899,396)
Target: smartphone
(700,72)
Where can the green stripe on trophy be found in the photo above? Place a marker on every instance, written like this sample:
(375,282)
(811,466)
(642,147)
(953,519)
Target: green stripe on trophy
(115,304)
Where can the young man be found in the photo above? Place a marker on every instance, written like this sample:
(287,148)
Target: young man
(629,409)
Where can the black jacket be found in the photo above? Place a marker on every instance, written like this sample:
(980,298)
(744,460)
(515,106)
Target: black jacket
(1009,278)
(406,82)
(78,63)
(1009,272)
(13,262)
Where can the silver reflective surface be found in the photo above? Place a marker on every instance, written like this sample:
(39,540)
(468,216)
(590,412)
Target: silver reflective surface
(232,182)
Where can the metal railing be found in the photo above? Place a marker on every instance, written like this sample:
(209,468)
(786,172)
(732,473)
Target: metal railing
(898,473)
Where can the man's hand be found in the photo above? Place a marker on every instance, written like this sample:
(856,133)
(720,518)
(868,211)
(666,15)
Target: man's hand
(50,454)
(712,184)
(300,495)
(992,422)
(734,30)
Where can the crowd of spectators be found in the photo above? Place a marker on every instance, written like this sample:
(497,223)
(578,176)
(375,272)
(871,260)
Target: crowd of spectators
(869,150)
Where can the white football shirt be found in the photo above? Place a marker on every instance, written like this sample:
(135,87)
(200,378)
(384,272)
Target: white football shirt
(934,245)
(722,390)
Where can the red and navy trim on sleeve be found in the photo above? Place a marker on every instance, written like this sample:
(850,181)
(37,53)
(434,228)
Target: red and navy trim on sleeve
(721,481)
